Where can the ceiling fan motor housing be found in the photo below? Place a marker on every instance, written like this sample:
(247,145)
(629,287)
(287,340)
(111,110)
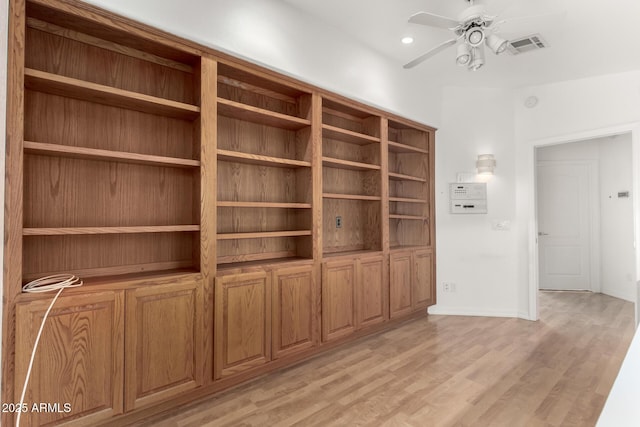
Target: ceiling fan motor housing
(474,14)
(474,35)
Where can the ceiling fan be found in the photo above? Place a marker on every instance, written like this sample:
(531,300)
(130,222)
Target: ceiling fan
(472,28)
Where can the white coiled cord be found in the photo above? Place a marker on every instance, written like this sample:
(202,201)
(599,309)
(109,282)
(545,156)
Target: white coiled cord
(57,282)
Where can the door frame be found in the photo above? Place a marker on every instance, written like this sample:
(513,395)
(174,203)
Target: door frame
(594,216)
(529,191)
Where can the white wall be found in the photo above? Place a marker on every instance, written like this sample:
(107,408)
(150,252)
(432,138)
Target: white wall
(613,156)
(567,111)
(480,261)
(493,270)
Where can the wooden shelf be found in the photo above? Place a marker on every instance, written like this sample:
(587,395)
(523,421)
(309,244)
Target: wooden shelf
(263,234)
(61,231)
(401,177)
(260,260)
(118,277)
(244,260)
(248,81)
(404,148)
(237,110)
(345,135)
(108,45)
(406,247)
(230,204)
(79,89)
(411,217)
(109,155)
(347,164)
(350,196)
(348,253)
(257,159)
(117,280)
(406,200)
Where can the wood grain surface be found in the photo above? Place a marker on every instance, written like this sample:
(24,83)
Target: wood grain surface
(445,371)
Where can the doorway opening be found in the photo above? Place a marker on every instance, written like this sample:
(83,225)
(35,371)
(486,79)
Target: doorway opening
(586,215)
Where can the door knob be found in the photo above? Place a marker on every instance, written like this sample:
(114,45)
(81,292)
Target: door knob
(540,233)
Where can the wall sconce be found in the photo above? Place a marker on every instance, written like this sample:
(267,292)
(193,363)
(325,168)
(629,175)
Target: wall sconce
(485,164)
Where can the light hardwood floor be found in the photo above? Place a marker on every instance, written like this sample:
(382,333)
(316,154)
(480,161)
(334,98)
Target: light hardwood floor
(445,371)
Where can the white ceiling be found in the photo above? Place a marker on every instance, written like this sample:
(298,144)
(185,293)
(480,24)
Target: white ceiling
(585,37)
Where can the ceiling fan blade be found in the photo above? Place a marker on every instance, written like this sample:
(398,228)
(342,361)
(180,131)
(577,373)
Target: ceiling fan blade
(433,20)
(429,54)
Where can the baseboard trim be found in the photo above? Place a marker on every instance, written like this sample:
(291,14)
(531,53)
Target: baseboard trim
(468,311)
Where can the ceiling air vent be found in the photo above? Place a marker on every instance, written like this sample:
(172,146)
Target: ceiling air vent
(526,44)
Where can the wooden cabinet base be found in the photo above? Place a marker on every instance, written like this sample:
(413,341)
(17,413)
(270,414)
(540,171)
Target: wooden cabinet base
(242,323)
(79,359)
(163,342)
(412,279)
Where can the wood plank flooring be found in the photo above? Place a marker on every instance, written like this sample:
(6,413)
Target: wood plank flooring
(445,371)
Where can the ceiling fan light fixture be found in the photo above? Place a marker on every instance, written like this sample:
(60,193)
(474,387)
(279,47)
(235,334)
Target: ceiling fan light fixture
(496,44)
(474,36)
(477,58)
(464,54)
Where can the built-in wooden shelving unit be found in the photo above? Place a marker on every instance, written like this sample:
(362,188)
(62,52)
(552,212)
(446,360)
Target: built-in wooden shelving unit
(351,178)
(111,158)
(410,185)
(264,168)
(107,155)
(226,220)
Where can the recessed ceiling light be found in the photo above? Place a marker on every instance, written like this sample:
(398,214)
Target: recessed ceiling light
(407,40)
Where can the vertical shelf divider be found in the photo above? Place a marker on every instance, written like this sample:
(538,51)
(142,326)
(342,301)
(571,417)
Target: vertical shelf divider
(384,187)
(316,171)
(208,210)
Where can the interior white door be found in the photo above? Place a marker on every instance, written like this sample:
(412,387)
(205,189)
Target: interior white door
(564,228)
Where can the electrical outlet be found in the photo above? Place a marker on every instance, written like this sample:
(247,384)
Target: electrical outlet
(501,225)
(448,287)
(338,222)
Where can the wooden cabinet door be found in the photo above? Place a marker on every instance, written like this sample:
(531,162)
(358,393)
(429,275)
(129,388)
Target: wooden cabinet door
(294,310)
(422,284)
(372,295)
(400,284)
(163,342)
(79,360)
(243,322)
(338,299)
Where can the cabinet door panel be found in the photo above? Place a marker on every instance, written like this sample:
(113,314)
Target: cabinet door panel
(400,284)
(294,310)
(243,322)
(422,292)
(338,299)
(163,342)
(79,359)
(371,291)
